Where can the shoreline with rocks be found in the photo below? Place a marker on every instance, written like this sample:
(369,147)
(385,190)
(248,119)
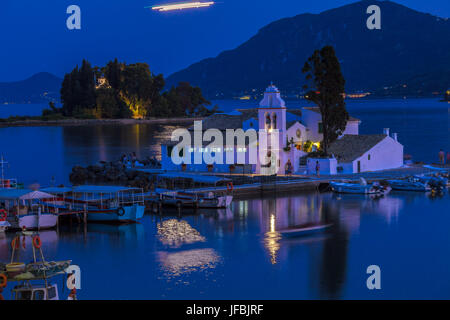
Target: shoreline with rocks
(87,122)
(115,172)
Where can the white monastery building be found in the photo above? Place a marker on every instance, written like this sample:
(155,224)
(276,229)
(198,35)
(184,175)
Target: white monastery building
(300,132)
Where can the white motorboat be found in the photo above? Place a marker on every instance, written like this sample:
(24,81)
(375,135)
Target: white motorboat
(359,188)
(410,184)
(304,230)
(434,181)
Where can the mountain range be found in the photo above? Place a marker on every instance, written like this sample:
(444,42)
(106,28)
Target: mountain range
(409,55)
(39,88)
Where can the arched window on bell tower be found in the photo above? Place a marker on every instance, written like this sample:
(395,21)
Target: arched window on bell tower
(274,120)
(268,121)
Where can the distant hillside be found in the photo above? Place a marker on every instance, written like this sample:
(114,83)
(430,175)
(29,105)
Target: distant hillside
(39,88)
(410,47)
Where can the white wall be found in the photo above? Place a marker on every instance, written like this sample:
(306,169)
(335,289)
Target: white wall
(327,166)
(352,127)
(292,132)
(387,154)
(311,120)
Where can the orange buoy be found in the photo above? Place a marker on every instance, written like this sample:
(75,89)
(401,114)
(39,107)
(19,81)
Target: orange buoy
(37,243)
(15,243)
(3,280)
(230,186)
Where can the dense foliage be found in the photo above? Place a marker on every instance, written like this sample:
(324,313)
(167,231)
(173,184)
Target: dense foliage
(118,90)
(326,89)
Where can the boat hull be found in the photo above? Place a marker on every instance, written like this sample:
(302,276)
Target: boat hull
(130,213)
(42,221)
(303,232)
(356,188)
(408,186)
(218,202)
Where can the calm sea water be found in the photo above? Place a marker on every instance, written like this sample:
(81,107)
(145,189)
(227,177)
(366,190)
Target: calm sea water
(36,154)
(237,253)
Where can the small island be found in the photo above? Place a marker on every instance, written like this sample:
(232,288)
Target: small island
(119,93)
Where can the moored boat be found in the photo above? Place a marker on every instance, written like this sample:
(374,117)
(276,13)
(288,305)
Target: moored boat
(24,208)
(304,230)
(33,279)
(359,188)
(410,184)
(108,203)
(196,199)
(435,181)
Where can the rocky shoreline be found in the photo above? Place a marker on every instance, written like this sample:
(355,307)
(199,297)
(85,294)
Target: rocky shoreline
(85,122)
(116,173)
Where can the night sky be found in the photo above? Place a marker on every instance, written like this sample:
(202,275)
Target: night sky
(34,36)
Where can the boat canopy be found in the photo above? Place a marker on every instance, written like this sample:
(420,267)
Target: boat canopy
(152,171)
(23,194)
(194,177)
(103,189)
(57,190)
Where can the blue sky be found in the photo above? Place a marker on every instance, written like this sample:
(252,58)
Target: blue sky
(34,36)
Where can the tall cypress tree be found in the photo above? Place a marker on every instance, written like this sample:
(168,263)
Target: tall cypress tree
(326,86)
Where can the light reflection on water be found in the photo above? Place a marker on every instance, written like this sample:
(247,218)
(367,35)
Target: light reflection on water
(187,261)
(175,233)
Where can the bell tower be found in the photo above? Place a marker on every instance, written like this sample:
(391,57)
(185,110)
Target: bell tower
(272,111)
(272,120)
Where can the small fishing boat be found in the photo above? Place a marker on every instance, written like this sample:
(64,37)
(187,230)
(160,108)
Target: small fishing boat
(24,208)
(108,203)
(410,184)
(33,279)
(178,199)
(435,181)
(6,183)
(304,230)
(359,188)
(207,191)
(199,199)
(212,200)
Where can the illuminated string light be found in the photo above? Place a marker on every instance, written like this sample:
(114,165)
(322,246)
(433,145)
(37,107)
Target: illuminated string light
(181,6)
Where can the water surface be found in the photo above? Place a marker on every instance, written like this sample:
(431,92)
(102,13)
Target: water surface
(36,154)
(238,253)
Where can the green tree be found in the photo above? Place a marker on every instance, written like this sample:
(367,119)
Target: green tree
(129,91)
(326,86)
(113,74)
(78,90)
(108,105)
(136,89)
(186,100)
